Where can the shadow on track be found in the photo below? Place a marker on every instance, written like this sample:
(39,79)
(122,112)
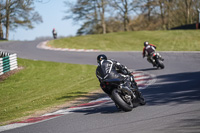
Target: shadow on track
(106,108)
(174,88)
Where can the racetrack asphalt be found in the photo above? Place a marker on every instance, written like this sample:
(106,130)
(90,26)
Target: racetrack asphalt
(173,101)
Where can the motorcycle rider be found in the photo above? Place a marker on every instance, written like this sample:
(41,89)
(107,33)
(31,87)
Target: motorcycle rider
(149,50)
(54,32)
(111,69)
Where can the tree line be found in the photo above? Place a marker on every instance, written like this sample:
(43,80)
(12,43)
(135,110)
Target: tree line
(104,16)
(15,13)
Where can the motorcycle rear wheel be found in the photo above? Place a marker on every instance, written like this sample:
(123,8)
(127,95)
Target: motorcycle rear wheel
(121,102)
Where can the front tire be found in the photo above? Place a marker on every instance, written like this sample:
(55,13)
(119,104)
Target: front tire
(160,64)
(120,102)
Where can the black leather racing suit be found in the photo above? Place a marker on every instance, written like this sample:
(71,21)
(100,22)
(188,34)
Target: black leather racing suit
(111,69)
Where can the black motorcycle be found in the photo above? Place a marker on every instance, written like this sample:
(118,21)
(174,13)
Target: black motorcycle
(125,98)
(158,60)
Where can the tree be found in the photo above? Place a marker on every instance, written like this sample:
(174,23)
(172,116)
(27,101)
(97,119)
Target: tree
(123,7)
(169,7)
(165,14)
(2,17)
(147,9)
(101,6)
(20,13)
(100,16)
(90,13)
(161,4)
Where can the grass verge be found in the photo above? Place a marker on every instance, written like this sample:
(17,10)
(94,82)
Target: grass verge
(43,84)
(171,40)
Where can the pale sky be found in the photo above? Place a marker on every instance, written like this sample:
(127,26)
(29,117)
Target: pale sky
(52,12)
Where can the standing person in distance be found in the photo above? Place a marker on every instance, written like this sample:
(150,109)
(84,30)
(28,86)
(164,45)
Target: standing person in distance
(54,32)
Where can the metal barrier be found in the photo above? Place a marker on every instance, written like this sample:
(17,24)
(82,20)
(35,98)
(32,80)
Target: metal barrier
(8,62)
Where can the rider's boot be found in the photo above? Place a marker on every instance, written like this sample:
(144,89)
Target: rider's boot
(135,85)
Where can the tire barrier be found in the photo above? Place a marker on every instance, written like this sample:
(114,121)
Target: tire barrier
(8,62)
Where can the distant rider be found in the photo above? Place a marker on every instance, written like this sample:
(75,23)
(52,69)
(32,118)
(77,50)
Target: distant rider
(111,69)
(149,50)
(54,32)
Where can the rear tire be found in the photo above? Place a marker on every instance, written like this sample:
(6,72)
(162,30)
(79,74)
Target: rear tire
(120,102)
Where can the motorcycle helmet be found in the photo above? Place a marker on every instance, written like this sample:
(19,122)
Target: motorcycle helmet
(101,57)
(146,43)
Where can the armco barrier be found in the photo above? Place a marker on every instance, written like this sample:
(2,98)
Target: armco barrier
(8,62)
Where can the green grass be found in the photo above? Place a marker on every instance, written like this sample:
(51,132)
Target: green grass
(173,40)
(43,84)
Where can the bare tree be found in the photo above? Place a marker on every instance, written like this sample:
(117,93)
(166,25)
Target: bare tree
(101,6)
(188,4)
(169,7)
(124,7)
(162,12)
(90,12)
(2,17)
(133,14)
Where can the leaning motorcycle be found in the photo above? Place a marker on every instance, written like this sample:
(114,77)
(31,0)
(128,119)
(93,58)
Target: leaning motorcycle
(125,98)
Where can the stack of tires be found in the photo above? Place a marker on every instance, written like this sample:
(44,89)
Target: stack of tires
(8,62)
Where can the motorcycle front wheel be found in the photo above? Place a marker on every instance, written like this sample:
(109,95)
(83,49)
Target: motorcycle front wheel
(160,64)
(121,102)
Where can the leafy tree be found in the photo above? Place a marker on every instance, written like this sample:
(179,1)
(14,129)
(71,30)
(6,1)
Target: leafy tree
(15,13)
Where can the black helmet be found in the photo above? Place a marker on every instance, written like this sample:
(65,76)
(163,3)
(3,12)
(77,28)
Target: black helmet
(146,43)
(101,57)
